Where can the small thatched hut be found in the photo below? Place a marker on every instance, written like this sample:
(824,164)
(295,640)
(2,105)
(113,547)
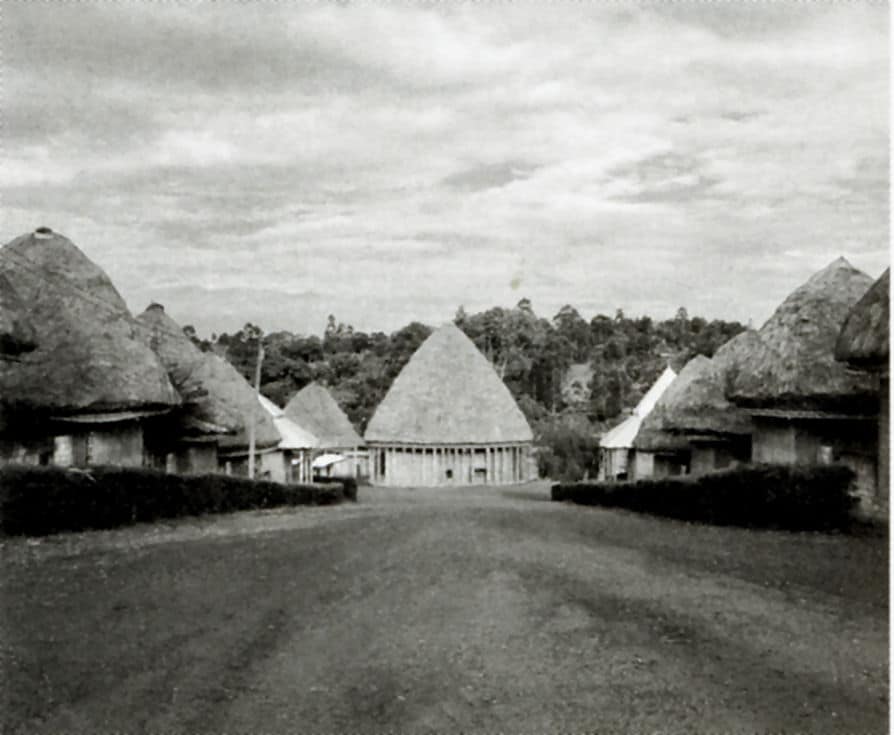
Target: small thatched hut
(657,451)
(190,444)
(695,407)
(314,409)
(616,453)
(295,447)
(233,449)
(448,419)
(90,390)
(806,407)
(864,345)
(211,430)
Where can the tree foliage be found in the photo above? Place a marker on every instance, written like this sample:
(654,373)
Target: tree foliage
(532,355)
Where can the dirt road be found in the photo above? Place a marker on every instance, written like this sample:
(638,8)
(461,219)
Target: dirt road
(417,611)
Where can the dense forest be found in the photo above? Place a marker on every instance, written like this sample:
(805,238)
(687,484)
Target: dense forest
(572,378)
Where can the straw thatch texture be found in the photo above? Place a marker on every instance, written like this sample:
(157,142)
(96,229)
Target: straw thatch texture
(292,435)
(656,440)
(314,409)
(696,402)
(191,373)
(795,367)
(448,393)
(864,338)
(16,331)
(89,358)
(231,389)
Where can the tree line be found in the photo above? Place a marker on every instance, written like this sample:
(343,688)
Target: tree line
(571,377)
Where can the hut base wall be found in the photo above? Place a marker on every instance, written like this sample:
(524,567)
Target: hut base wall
(192,459)
(28,451)
(450,466)
(670,466)
(203,459)
(705,459)
(643,465)
(773,443)
(853,442)
(655,464)
(117,445)
(614,464)
(271,467)
(721,455)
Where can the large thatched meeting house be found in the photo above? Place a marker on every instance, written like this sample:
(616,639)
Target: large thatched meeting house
(448,419)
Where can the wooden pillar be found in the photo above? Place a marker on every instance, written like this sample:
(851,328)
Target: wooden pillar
(523,464)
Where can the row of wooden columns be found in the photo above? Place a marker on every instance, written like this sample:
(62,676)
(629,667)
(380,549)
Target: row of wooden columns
(502,464)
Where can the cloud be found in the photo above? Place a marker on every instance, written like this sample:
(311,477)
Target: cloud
(488,176)
(388,162)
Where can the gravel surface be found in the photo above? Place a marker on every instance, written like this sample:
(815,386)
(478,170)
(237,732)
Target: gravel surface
(472,610)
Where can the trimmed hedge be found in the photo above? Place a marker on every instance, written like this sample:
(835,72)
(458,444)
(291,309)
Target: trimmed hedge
(38,501)
(766,496)
(348,483)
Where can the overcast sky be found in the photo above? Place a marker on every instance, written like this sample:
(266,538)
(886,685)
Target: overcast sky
(388,162)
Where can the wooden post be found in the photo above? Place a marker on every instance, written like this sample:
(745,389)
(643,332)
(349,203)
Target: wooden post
(253,413)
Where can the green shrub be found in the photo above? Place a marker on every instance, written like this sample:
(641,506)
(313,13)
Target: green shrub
(770,496)
(349,485)
(44,500)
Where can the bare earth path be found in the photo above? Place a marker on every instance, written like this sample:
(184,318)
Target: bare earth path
(416,611)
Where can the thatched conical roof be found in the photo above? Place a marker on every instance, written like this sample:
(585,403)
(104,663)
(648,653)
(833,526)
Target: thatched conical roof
(314,409)
(16,331)
(234,391)
(88,358)
(864,338)
(696,402)
(448,393)
(218,400)
(795,368)
(292,435)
